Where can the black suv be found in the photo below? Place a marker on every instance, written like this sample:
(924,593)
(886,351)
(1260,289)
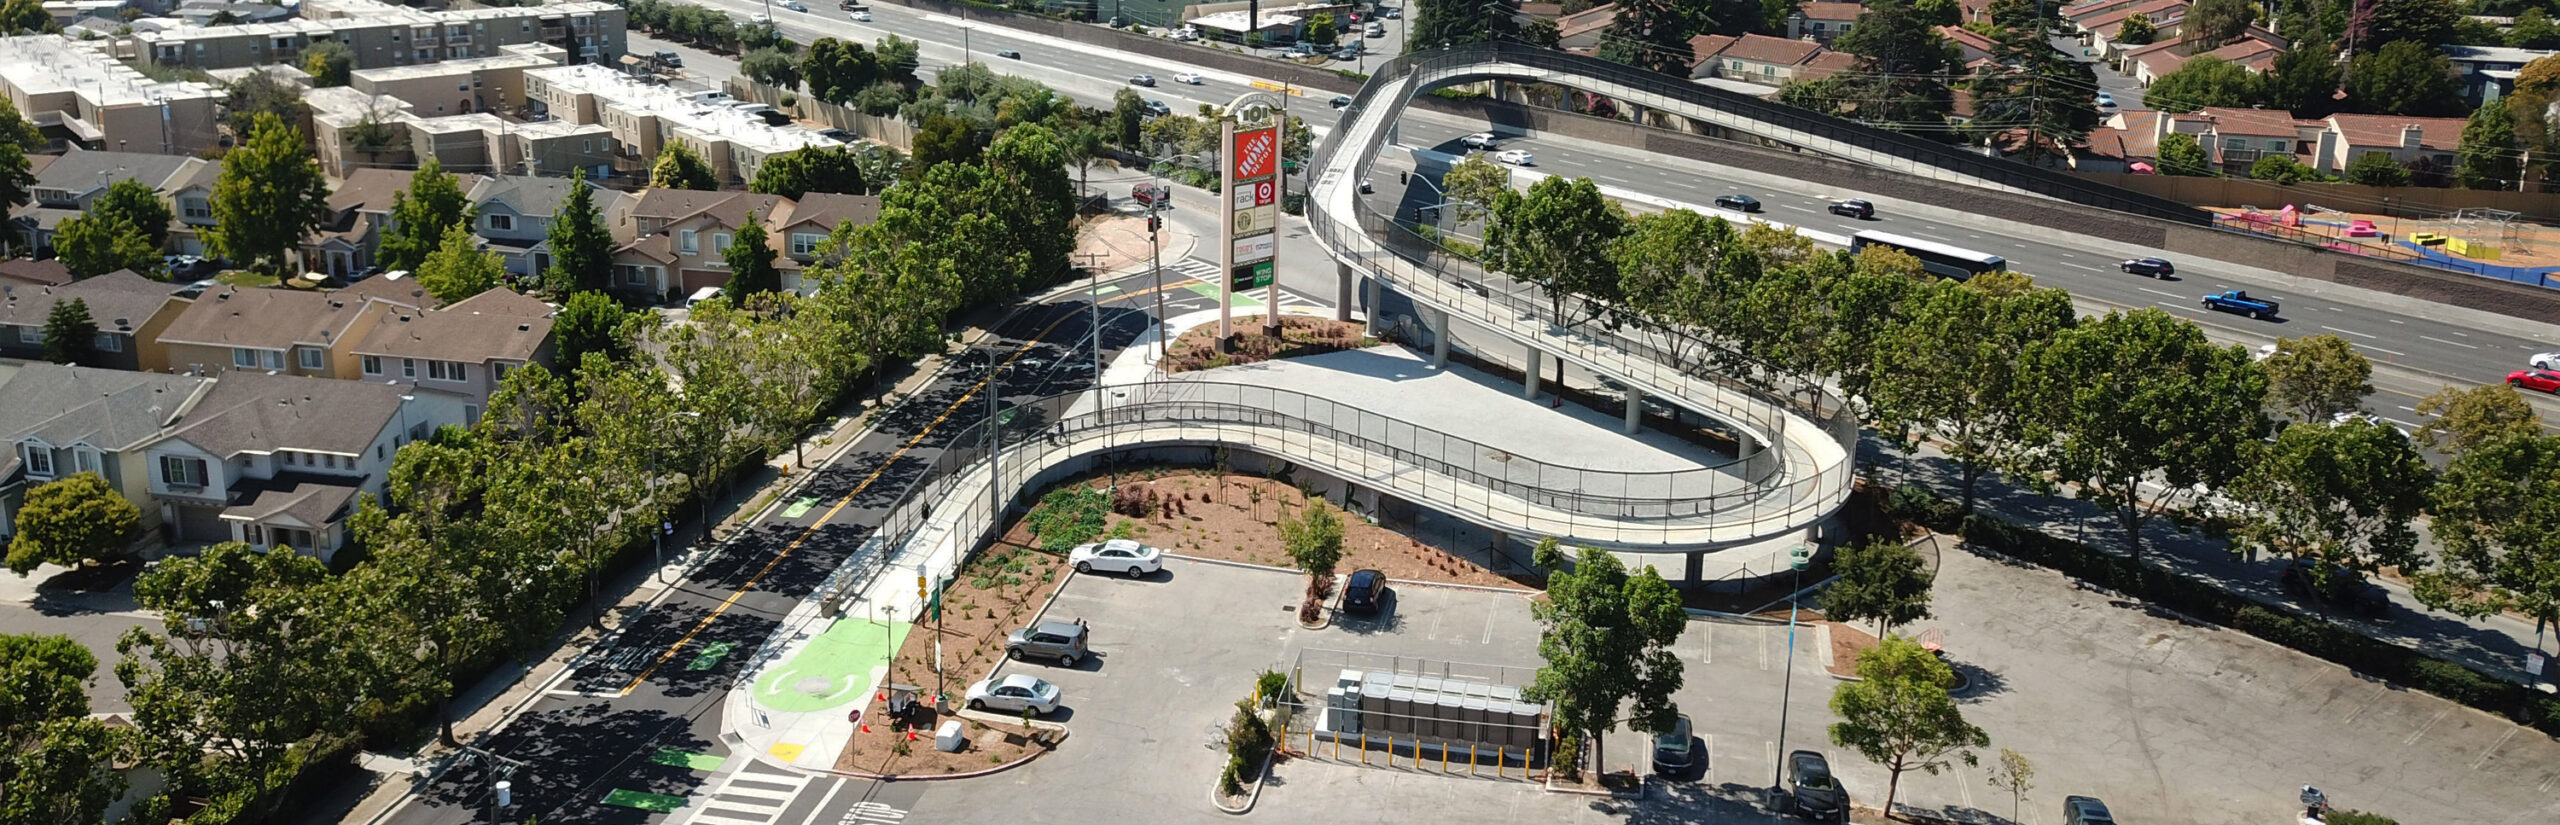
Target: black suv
(1816,793)
(1675,750)
(1738,203)
(2154,267)
(2336,585)
(1854,208)
(1364,592)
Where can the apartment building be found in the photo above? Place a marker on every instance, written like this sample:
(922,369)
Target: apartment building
(381,34)
(78,96)
(352,130)
(644,119)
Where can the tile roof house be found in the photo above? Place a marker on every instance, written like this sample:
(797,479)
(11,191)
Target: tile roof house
(2236,138)
(2126,138)
(295,331)
(1769,61)
(68,184)
(1970,45)
(2413,141)
(62,420)
(512,214)
(1581,31)
(130,311)
(2103,22)
(280,460)
(1823,20)
(2255,52)
(465,349)
(1702,51)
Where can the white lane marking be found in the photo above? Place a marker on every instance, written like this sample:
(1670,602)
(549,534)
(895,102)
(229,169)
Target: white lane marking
(2176,306)
(2456,332)
(2443,341)
(2404,323)
(2160,293)
(2083,266)
(2350,332)
(2379,349)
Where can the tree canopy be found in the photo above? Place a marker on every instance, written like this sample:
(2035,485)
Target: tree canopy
(458,269)
(421,215)
(581,247)
(750,261)
(70,334)
(1898,714)
(71,521)
(269,196)
(679,168)
(809,169)
(1607,643)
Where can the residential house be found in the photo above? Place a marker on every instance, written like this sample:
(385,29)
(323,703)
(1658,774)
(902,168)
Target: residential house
(1760,59)
(292,331)
(359,212)
(2253,52)
(2418,142)
(62,420)
(1826,64)
(1702,51)
(24,272)
(2236,138)
(815,216)
(465,349)
(67,185)
(512,215)
(2489,72)
(670,240)
(395,287)
(1823,21)
(190,198)
(1970,45)
(1581,31)
(130,310)
(281,460)
(2125,138)
(2102,25)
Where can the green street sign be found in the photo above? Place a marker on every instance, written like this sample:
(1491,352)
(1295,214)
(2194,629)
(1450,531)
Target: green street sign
(1250,276)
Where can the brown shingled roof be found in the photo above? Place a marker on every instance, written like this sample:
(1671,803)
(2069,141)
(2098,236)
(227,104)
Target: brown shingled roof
(228,316)
(255,412)
(457,334)
(1826,10)
(119,301)
(1765,49)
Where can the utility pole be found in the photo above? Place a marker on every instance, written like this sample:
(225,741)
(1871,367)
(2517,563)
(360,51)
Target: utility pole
(1093,298)
(501,791)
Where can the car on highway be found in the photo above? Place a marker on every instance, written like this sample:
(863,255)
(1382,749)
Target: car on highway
(1142,80)
(796,5)
(2238,300)
(1516,157)
(1116,556)
(862,17)
(1150,194)
(1191,78)
(1812,790)
(2544,380)
(1009,54)
(1013,694)
(2545,361)
(2154,267)
(1738,203)
(1854,208)
(1063,641)
(1341,101)
(1487,141)
(1673,753)
(2085,810)
(2336,584)
(1157,108)
(760,19)
(1364,592)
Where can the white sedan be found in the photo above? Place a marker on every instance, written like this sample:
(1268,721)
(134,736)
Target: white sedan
(2545,361)
(1192,78)
(1117,556)
(1516,157)
(862,17)
(1014,694)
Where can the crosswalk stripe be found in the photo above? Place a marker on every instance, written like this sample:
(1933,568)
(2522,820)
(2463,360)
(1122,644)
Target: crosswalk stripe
(749,797)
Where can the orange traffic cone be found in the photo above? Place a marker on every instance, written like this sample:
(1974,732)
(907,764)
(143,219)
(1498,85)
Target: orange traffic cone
(911,734)
(866,729)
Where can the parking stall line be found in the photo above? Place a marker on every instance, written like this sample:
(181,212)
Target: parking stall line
(1764,647)
(2492,749)
(2421,732)
(1490,611)
(1707,648)
(2378,690)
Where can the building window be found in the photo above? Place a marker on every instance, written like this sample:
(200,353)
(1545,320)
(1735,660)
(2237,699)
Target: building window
(311,359)
(504,223)
(2235,143)
(498,372)
(805,244)
(719,243)
(108,342)
(31,335)
(686,243)
(2278,145)
(274,358)
(180,471)
(446,371)
(1737,65)
(197,208)
(84,459)
(39,459)
(373,365)
(409,368)
(244,358)
(1768,71)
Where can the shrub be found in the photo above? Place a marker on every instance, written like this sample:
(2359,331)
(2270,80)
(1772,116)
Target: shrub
(1270,684)
(2347,817)
(2456,682)
(1923,506)
(1066,518)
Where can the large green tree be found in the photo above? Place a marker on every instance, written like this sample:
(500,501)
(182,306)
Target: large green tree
(769,66)
(2207,81)
(73,521)
(2304,80)
(329,62)
(1031,163)
(750,261)
(2346,492)
(269,196)
(581,247)
(56,764)
(1898,714)
(2036,89)
(2459,419)
(1606,638)
(592,322)
(1882,580)
(458,269)
(2488,156)
(2377,169)
(259,94)
(138,206)
(2495,525)
(1652,34)
(2404,78)
(421,216)
(2182,155)
(1952,372)
(2211,23)
(2142,412)
(70,334)
(801,171)
(97,243)
(2136,30)
(2424,22)
(1900,79)
(679,168)
(1556,235)
(2315,377)
(1441,23)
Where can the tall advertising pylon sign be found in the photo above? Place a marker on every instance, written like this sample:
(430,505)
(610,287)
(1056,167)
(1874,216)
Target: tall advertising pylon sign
(1251,221)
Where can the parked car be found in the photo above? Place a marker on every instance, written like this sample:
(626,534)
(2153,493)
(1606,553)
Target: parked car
(1063,641)
(1481,140)
(1150,194)
(1672,751)
(669,59)
(2085,810)
(1364,592)
(1815,792)
(1009,54)
(838,135)
(1393,13)
(2238,300)
(1738,203)
(1013,694)
(2337,585)
(1516,157)
(862,17)
(1341,101)
(1142,80)
(2154,267)
(1117,556)
(1377,29)
(195,289)
(2545,361)
(2544,380)
(1854,208)
(1191,78)
(2106,101)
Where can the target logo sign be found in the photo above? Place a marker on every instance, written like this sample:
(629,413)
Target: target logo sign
(1257,153)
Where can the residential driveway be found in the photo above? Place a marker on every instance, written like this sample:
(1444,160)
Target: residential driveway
(94,619)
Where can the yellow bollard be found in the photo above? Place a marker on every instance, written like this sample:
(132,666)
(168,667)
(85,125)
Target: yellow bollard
(1501,761)
(1364,749)
(1337,748)
(1471,759)
(1444,758)
(1311,740)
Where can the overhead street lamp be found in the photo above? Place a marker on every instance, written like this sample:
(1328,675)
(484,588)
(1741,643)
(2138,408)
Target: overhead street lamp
(1797,558)
(1155,244)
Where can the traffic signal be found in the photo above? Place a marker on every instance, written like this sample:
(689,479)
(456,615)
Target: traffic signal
(920,586)
(1153,223)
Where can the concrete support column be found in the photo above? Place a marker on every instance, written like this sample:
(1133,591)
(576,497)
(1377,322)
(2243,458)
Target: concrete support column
(1376,294)
(1697,567)
(1529,384)
(1344,281)
(1439,339)
(1635,411)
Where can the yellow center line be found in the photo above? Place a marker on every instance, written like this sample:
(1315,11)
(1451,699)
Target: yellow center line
(830,515)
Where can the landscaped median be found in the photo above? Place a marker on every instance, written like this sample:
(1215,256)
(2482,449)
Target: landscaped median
(1000,589)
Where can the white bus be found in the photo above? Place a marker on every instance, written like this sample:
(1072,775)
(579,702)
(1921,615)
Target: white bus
(1940,259)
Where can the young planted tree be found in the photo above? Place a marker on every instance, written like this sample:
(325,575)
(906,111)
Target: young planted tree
(750,260)
(2488,159)
(73,521)
(1313,541)
(421,216)
(2013,773)
(2142,412)
(2317,377)
(2460,419)
(70,335)
(581,247)
(1883,581)
(1607,642)
(2346,492)
(1899,714)
(2182,156)
(2377,169)
(458,269)
(680,168)
(269,197)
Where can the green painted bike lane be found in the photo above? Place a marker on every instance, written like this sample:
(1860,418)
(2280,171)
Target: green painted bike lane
(835,669)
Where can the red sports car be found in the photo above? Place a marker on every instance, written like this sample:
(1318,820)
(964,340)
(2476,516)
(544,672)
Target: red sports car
(2544,380)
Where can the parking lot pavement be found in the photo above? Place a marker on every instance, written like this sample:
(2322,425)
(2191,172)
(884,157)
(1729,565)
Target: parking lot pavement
(94,619)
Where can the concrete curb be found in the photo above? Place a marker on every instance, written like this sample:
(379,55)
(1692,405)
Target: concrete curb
(1259,780)
(900,777)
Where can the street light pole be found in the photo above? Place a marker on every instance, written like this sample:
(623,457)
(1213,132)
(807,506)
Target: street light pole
(995,436)
(1786,695)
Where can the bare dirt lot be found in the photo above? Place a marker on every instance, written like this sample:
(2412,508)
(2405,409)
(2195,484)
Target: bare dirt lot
(1235,517)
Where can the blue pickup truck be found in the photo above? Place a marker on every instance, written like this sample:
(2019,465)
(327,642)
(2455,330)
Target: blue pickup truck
(2238,300)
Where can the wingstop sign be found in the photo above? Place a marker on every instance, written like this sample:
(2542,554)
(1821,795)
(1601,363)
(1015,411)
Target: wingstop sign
(1257,153)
